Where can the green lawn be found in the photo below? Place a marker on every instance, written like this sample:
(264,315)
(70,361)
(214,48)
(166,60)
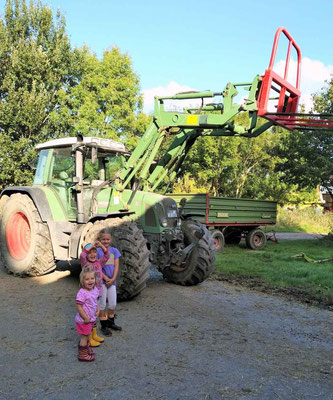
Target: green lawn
(274,269)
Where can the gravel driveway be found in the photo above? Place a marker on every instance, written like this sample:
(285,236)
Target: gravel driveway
(212,341)
(297,235)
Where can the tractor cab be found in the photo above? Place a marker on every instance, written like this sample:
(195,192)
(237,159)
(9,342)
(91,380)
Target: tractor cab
(73,167)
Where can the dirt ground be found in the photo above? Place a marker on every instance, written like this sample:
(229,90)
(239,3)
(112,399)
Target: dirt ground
(212,341)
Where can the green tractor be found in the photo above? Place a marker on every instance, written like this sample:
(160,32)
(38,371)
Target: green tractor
(83,185)
(76,193)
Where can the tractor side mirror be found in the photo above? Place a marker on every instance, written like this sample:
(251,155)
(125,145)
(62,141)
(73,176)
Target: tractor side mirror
(182,202)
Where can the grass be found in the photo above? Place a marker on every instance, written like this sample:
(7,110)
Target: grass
(305,219)
(274,270)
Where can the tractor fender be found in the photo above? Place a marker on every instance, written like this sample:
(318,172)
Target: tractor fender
(80,230)
(119,214)
(59,230)
(185,216)
(37,195)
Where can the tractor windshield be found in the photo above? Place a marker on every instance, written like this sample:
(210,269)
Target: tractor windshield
(55,166)
(62,165)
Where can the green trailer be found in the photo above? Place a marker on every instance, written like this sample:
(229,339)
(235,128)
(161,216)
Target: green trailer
(230,219)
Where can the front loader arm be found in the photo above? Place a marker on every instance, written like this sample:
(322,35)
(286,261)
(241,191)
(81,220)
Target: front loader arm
(265,92)
(185,128)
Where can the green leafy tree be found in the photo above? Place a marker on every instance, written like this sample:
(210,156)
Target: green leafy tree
(236,167)
(48,89)
(36,63)
(307,157)
(107,99)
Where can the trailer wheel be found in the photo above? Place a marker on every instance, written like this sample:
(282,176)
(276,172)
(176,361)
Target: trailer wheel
(256,239)
(133,263)
(199,264)
(218,238)
(25,241)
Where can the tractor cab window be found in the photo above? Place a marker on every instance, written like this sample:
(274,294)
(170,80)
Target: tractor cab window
(41,167)
(63,166)
(62,172)
(112,166)
(91,172)
(104,169)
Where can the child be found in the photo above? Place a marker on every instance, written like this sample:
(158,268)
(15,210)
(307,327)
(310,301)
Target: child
(88,257)
(109,291)
(87,312)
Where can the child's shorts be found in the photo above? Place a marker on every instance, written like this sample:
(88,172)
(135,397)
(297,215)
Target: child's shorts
(84,329)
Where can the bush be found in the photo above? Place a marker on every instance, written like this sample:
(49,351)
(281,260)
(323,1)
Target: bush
(307,219)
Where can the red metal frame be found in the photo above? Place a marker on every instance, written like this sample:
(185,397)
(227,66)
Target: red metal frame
(301,121)
(286,113)
(288,94)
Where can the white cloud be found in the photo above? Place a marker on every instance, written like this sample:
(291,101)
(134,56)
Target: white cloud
(170,90)
(314,73)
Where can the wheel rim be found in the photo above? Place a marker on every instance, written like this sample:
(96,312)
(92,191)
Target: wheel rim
(217,242)
(18,235)
(258,240)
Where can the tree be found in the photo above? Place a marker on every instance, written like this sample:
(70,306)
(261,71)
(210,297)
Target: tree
(36,63)
(107,99)
(48,89)
(307,157)
(236,167)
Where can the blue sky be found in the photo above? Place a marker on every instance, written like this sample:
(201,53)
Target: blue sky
(202,45)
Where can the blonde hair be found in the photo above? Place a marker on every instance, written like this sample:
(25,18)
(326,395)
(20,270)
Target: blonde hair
(104,232)
(86,270)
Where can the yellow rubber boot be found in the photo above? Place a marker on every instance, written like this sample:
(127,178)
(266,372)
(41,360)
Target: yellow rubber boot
(92,342)
(95,336)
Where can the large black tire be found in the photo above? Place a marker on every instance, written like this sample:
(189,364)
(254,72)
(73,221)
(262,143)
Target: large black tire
(218,238)
(134,261)
(256,239)
(200,263)
(25,241)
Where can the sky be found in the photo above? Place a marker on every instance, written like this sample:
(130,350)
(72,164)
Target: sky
(178,45)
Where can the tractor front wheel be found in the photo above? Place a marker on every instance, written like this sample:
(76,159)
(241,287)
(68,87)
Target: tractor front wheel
(25,241)
(199,263)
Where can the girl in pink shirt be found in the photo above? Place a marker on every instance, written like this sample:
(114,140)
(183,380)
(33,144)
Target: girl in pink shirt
(87,312)
(89,258)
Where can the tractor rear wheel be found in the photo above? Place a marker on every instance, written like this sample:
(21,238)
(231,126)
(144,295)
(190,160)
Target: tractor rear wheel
(25,241)
(3,201)
(199,264)
(134,261)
